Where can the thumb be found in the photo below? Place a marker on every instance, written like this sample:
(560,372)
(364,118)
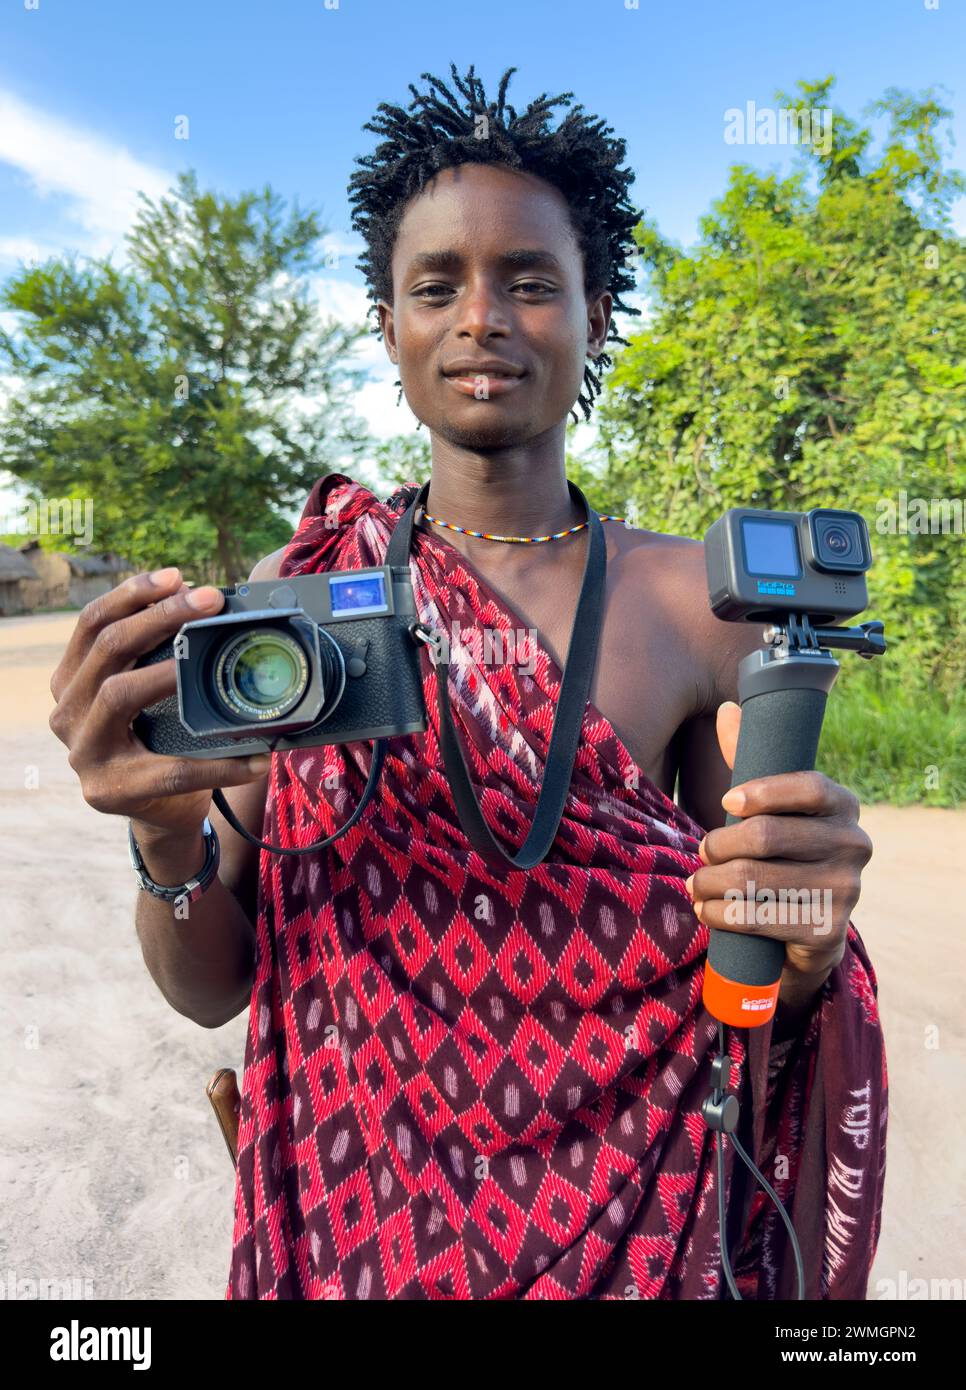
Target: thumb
(728,726)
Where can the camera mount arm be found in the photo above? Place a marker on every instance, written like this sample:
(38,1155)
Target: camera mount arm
(798,634)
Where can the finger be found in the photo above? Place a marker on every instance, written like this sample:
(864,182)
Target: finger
(134,782)
(811,922)
(119,700)
(108,715)
(728,726)
(120,643)
(117,603)
(779,837)
(803,793)
(790,881)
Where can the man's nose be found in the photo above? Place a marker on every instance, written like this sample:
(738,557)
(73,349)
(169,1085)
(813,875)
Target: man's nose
(481,310)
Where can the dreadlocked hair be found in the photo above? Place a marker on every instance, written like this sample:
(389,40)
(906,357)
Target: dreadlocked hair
(579,158)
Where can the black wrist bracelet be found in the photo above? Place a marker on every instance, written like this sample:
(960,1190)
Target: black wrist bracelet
(194,887)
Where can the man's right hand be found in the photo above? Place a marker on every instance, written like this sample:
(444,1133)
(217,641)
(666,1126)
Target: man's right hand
(99,692)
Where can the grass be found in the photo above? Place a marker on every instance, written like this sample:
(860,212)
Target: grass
(901,744)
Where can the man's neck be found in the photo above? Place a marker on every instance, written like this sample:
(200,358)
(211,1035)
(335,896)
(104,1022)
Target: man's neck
(513,492)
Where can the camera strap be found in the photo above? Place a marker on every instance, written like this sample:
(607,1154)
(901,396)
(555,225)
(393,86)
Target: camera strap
(375,769)
(568,715)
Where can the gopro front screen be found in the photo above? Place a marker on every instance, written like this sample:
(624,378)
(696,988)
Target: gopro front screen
(357,594)
(771,548)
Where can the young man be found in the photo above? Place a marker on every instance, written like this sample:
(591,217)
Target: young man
(460,1084)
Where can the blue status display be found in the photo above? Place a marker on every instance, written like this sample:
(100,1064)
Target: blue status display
(357,594)
(771,547)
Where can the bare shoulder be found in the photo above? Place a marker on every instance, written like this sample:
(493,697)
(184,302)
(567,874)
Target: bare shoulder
(673,569)
(270,566)
(669,567)
(679,557)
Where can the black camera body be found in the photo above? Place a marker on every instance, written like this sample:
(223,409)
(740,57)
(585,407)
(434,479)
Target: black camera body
(763,565)
(293,663)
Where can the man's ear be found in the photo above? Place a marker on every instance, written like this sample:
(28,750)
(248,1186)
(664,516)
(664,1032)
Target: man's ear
(388,328)
(599,309)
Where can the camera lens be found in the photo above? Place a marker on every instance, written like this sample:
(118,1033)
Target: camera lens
(261,674)
(266,676)
(838,541)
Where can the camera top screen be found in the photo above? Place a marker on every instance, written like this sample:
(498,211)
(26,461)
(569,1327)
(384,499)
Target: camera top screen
(357,594)
(771,547)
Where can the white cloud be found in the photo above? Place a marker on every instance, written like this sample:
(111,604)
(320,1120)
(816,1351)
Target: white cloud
(14,249)
(97,179)
(637,299)
(376,403)
(344,301)
(347,249)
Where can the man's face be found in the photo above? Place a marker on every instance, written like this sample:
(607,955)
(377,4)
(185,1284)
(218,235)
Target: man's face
(463,290)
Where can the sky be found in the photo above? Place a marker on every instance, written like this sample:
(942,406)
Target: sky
(93,94)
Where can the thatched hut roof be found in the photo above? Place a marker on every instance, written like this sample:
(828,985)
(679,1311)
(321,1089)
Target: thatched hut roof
(14,565)
(84,566)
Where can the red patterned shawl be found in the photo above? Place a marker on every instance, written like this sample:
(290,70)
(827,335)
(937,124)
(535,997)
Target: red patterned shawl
(462,1085)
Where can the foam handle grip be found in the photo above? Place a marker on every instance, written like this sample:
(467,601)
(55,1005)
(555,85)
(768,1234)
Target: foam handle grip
(780,731)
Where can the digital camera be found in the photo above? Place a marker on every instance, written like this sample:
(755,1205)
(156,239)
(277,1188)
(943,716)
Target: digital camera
(293,663)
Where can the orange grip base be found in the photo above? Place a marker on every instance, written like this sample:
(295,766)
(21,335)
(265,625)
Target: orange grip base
(740,1006)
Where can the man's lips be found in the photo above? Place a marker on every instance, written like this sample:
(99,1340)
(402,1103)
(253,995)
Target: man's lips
(483,385)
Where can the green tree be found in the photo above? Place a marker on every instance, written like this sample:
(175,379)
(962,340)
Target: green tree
(194,394)
(404,458)
(810,350)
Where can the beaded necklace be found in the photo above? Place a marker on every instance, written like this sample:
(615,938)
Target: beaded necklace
(514,540)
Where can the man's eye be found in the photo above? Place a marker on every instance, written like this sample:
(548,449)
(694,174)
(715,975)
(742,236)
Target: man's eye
(528,286)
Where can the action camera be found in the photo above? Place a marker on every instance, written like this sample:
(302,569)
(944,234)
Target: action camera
(763,564)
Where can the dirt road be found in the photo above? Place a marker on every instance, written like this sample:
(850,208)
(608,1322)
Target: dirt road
(114,1173)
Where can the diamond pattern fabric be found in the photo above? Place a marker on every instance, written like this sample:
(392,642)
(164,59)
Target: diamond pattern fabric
(462,1085)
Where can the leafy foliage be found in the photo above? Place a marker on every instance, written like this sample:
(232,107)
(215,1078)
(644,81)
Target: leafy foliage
(192,395)
(811,351)
(402,459)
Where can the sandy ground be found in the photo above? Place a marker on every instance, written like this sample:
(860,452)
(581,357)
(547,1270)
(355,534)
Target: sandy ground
(114,1172)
